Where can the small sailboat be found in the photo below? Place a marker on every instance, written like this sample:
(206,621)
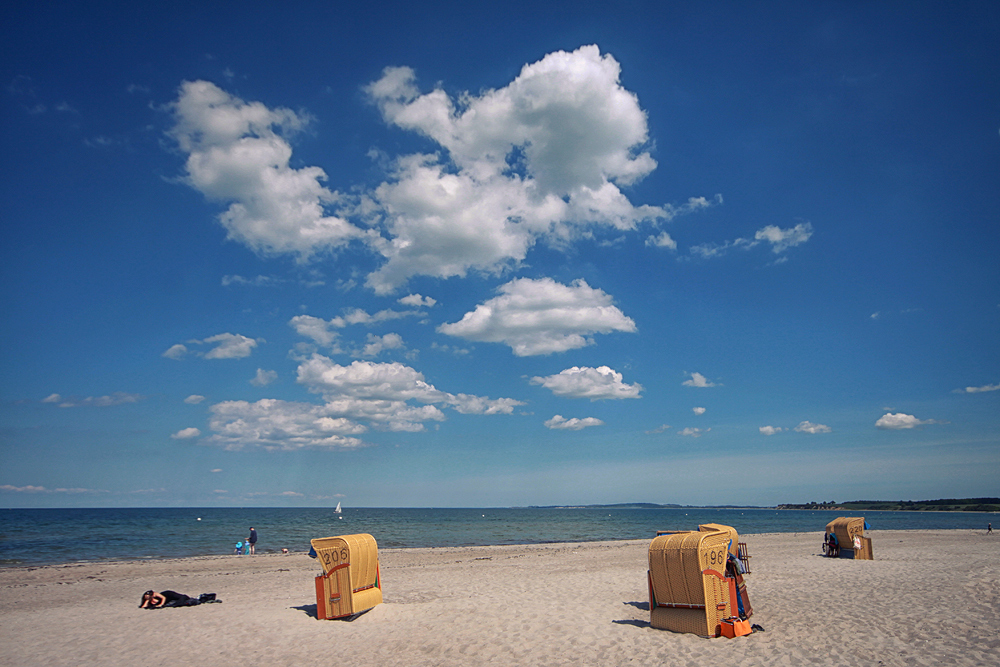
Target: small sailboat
(338,511)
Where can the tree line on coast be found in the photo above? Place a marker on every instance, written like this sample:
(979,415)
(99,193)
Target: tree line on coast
(941,505)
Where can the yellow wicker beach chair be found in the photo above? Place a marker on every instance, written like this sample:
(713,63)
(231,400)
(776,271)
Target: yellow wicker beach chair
(350,581)
(851,540)
(691,589)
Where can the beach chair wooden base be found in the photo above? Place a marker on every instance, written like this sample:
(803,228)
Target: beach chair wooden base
(332,604)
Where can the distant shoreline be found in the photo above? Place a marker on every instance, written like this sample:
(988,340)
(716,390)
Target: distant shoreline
(941,505)
(956,505)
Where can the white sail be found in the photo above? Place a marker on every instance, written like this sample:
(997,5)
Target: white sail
(338,510)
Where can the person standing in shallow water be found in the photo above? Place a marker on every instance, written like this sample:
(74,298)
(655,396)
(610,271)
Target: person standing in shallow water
(252,540)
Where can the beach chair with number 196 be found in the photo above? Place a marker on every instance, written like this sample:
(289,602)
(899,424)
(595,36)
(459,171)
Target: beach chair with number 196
(350,581)
(692,586)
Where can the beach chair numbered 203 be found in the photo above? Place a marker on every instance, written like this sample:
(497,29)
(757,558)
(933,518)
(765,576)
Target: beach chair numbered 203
(350,581)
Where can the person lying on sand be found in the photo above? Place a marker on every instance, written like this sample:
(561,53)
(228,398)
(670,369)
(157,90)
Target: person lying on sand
(154,600)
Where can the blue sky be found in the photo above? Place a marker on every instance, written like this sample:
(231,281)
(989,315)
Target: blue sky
(438,255)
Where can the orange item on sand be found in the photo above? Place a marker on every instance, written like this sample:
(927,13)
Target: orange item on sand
(734,627)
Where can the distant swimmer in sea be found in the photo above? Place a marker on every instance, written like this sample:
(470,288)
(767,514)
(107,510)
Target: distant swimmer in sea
(153,600)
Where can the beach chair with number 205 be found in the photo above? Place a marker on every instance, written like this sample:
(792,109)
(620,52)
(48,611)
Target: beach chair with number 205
(350,581)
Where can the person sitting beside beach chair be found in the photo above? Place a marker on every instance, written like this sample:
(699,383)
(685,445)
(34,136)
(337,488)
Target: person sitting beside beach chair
(153,600)
(831,546)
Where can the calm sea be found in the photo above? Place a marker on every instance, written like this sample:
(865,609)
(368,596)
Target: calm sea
(47,536)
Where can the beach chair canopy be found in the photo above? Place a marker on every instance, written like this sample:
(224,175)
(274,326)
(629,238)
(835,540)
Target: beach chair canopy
(734,539)
(350,581)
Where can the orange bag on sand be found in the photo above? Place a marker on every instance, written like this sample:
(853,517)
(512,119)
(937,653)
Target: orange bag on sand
(734,627)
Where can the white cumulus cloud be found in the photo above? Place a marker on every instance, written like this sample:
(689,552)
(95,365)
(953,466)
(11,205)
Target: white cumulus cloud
(238,153)
(541,317)
(543,157)
(593,383)
(106,401)
(375,345)
(325,333)
(771,430)
(661,240)
(809,427)
(698,411)
(9,488)
(194,399)
(226,346)
(388,382)
(263,377)
(558,422)
(259,281)
(186,434)
(693,432)
(698,380)
(230,346)
(978,390)
(362,395)
(780,240)
(417,301)
(320,331)
(895,421)
(281,425)
(177,351)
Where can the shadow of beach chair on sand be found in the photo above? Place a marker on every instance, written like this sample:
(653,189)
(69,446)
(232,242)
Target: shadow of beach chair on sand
(849,539)
(695,584)
(350,581)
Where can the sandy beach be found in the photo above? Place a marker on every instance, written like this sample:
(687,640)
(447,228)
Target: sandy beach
(928,598)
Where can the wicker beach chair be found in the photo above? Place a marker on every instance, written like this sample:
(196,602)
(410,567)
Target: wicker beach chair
(692,586)
(350,581)
(851,540)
